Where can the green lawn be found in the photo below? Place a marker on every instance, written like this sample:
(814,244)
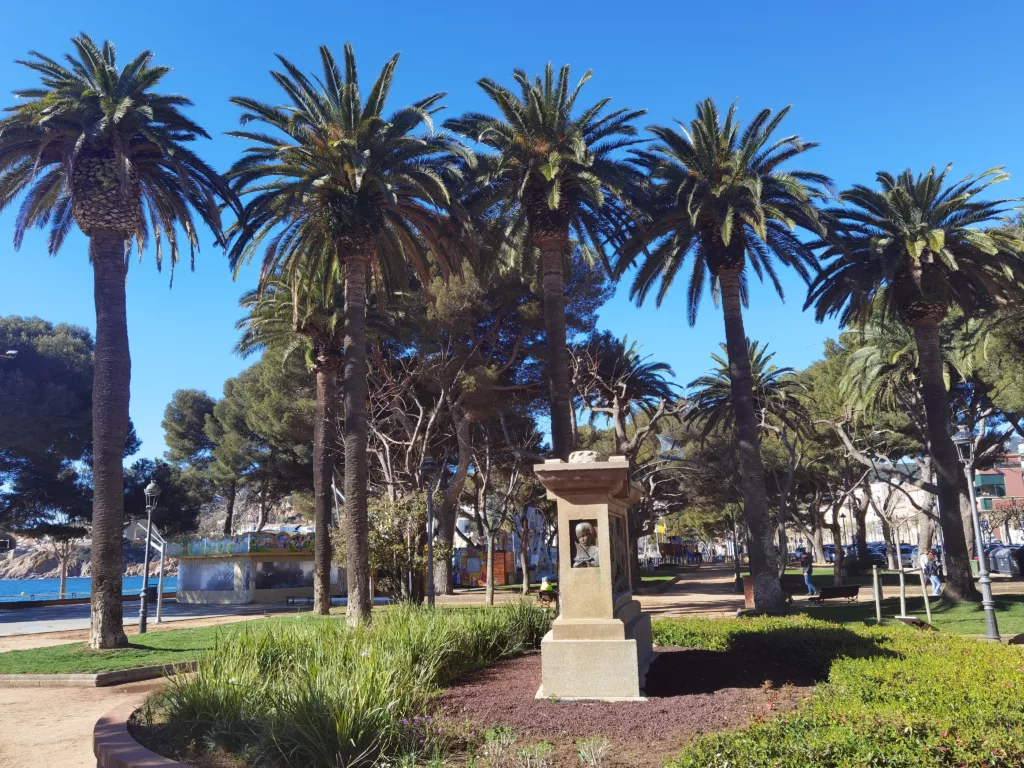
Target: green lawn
(885,697)
(961,619)
(657,578)
(823,576)
(164,647)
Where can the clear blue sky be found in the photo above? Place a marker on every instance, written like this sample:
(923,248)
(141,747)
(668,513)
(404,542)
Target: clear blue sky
(881,85)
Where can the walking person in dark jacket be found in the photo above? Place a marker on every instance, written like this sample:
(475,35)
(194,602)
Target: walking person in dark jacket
(932,569)
(807,563)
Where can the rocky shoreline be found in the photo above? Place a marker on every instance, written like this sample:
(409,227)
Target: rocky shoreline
(42,563)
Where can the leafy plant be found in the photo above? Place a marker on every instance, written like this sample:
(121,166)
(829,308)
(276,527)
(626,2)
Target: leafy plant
(314,693)
(500,747)
(593,751)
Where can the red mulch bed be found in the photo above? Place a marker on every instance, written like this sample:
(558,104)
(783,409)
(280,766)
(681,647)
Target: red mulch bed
(690,692)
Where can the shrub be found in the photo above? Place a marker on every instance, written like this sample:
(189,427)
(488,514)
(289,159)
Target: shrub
(893,697)
(316,693)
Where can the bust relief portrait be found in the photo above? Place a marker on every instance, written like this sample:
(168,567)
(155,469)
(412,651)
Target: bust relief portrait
(585,552)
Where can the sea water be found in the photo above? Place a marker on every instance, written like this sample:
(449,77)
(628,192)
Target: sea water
(49,589)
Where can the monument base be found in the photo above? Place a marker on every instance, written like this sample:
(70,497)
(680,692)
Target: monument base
(601,669)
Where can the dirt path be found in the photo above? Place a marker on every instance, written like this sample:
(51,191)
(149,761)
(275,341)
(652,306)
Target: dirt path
(52,727)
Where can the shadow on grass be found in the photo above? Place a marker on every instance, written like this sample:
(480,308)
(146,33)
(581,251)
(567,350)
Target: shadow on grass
(963,618)
(688,671)
(799,655)
(87,651)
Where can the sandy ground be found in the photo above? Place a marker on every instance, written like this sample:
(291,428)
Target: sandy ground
(52,727)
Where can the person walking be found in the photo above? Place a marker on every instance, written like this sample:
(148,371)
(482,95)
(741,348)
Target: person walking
(932,569)
(807,563)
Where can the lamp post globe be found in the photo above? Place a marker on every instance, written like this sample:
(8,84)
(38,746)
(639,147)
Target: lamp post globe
(964,442)
(152,492)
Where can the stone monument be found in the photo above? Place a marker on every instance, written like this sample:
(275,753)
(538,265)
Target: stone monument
(599,647)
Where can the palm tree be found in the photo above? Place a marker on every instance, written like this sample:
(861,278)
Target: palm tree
(307,316)
(553,180)
(911,250)
(612,378)
(719,197)
(96,146)
(777,393)
(337,181)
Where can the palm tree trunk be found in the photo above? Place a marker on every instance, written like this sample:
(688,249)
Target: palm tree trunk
(959,581)
(559,380)
(323,471)
(110,394)
(354,386)
(767,588)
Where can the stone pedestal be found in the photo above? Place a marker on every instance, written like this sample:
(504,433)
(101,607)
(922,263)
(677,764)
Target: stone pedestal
(600,646)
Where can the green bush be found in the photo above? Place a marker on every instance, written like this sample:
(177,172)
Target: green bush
(316,693)
(893,697)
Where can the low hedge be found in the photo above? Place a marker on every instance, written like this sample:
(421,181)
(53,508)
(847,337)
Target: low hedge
(890,696)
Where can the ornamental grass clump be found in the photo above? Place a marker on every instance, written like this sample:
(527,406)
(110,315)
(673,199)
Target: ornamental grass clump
(317,693)
(892,696)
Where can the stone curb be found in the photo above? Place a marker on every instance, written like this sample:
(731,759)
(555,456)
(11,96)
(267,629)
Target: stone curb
(114,746)
(100,680)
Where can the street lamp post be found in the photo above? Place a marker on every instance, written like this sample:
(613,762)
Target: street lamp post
(10,354)
(152,499)
(964,442)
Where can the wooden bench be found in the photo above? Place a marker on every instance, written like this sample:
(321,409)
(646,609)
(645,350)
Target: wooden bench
(792,585)
(298,600)
(548,598)
(849,593)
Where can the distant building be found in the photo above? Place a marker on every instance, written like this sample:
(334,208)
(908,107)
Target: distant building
(1000,494)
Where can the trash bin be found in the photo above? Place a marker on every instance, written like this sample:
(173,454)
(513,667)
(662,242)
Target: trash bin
(1017,561)
(151,595)
(997,561)
(1002,560)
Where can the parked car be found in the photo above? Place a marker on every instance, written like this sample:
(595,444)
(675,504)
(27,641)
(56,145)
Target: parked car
(908,556)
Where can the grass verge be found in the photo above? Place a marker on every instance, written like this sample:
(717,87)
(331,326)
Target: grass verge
(892,696)
(958,618)
(164,647)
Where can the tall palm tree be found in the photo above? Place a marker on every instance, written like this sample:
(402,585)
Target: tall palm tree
(96,146)
(720,198)
(307,316)
(777,393)
(911,250)
(554,180)
(336,180)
